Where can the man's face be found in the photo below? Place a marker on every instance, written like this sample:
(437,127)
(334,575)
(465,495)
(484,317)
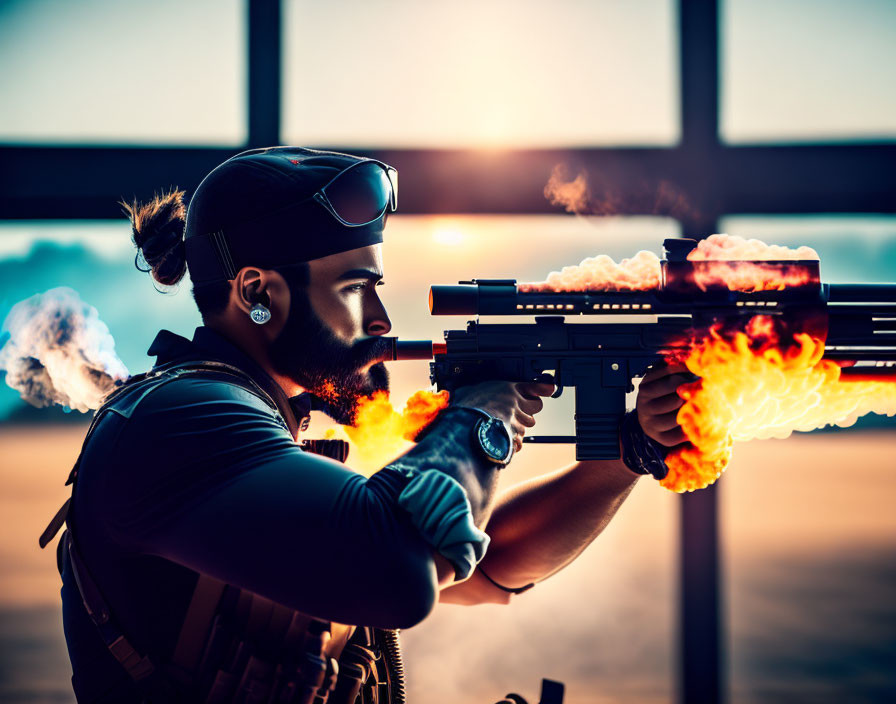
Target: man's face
(331,342)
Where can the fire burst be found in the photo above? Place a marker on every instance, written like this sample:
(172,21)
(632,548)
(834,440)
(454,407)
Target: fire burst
(381,433)
(753,387)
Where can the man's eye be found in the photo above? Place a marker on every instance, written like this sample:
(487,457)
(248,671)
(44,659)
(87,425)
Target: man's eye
(354,287)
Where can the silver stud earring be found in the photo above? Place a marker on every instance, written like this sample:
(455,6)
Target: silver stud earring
(259,314)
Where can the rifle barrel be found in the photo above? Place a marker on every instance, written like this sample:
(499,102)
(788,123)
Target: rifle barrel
(862,293)
(403,350)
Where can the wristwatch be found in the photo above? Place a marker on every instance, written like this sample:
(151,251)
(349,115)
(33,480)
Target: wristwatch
(492,438)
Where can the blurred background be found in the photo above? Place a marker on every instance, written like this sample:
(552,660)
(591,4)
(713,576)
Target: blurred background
(773,119)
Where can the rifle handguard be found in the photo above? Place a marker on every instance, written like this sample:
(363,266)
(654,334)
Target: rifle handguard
(640,453)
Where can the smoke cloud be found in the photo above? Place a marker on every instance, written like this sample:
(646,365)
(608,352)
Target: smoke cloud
(592,194)
(643,271)
(57,350)
(735,248)
(572,194)
(602,273)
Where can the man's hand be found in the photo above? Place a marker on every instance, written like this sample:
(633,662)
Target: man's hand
(515,403)
(658,403)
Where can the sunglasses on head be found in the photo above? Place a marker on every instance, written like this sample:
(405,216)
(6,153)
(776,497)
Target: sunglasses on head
(361,193)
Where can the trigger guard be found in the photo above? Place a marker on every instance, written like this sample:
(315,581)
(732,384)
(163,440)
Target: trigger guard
(552,378)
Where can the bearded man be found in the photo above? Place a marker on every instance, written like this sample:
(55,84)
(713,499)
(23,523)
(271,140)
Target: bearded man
(211,554)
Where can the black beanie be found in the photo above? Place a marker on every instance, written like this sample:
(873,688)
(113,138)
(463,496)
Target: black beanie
(256,209)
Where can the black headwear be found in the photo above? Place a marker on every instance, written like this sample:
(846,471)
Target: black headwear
(255,209)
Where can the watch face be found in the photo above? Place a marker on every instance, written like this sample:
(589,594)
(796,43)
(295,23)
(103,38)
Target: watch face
(494,439)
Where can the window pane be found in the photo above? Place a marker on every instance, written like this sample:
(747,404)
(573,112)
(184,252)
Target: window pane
(808,70)
(504,73)
(123,72)
(808,527)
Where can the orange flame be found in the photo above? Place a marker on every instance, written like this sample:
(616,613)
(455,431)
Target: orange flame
(381,433)
(750,277)
(751,387)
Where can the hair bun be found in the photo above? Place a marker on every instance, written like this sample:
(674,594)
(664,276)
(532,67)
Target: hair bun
(158,234)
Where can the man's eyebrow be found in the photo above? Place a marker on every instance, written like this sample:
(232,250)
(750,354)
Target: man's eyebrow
(369,274)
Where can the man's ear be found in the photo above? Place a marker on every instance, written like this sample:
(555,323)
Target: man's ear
(254,285)
(249,289)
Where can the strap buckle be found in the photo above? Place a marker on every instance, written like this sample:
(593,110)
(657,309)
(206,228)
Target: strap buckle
(137,666)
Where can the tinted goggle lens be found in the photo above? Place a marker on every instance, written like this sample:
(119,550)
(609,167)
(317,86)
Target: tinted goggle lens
(363,193)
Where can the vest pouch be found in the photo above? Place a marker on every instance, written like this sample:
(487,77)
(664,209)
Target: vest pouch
(355,667)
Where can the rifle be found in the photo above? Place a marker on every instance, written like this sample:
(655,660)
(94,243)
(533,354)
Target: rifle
(601,359)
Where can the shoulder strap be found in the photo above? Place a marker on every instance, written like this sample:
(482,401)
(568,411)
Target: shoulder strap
(55,524)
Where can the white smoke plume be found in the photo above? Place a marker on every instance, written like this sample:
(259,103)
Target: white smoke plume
(735,248)
(643,271)
(602,273)
(58,350)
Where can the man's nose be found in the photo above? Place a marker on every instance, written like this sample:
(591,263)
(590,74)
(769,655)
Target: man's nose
(378,322)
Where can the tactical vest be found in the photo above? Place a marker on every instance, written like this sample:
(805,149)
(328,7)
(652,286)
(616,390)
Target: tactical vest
(236,646)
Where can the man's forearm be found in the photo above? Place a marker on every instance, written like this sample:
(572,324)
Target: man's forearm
(447,491)
(447,447)
(540,526)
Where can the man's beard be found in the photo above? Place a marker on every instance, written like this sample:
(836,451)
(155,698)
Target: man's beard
(308,352)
